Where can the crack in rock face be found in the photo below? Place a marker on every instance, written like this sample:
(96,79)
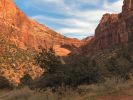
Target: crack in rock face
(128,5)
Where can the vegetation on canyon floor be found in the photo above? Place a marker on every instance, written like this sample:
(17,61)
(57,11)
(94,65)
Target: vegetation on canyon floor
(85,77)
(82,77)
(103,70)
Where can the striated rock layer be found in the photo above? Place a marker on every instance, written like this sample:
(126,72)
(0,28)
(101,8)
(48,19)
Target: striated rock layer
(26,33)
(114,29)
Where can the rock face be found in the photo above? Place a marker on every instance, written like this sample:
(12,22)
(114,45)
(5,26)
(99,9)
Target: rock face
(88,39)
(17,28)
(26,33)
(114,29)
(128,6)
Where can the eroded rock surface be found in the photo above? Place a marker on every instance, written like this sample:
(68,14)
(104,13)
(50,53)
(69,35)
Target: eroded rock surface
(114,29)
(27,33)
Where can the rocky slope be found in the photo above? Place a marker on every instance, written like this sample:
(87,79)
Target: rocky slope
(114,29)
(26,33)
(18,34)
(16,62)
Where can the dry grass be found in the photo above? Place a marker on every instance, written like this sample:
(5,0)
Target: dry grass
(112,87)
(27,94)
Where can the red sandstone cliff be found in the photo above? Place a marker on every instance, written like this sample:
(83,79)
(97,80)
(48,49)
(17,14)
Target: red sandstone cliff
(114,29)
(26,33)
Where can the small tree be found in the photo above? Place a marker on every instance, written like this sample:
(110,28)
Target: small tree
(119,67)
(26,80)
(47,60)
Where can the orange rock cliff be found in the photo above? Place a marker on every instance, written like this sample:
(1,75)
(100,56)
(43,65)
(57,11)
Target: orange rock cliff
(113,29)
(27,33)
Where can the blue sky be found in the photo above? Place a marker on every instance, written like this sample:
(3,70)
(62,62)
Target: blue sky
(72,18)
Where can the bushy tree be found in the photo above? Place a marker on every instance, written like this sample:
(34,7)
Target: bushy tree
(47,60)
(120,67)
(77,71)
(82,70)
(26,80)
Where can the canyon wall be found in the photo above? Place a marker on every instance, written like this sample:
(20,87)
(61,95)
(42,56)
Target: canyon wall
(27,33)
(114,29)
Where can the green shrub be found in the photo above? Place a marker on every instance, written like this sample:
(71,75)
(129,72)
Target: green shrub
(47,60)
(5,84)
(120,67)
(26,80)
(83,71)
(77,71)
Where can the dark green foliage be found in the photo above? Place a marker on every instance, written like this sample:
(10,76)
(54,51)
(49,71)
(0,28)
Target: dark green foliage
(120,66)
(26,80)
(5,84)
(82,71)
(48,81)
(47,60)
(77,71)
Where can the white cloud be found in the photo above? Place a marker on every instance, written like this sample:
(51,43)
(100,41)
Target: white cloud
(113,7)
(78,21)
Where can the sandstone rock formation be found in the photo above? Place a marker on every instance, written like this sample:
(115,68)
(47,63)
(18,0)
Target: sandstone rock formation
(18,29)
(114,29)
(88,39)
(27,33)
